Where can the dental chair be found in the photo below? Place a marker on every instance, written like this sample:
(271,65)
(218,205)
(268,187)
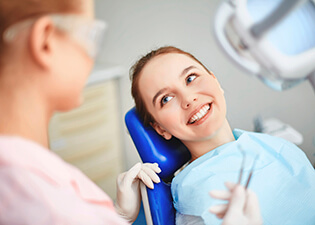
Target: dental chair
(170,155)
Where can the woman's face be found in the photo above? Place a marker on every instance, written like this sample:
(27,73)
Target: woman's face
(72,66)
(184,99)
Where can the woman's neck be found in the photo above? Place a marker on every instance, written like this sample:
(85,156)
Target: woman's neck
(222,136)
(24,114)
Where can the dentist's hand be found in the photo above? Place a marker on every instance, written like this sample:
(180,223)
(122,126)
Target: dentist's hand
(128,188)
(242,209)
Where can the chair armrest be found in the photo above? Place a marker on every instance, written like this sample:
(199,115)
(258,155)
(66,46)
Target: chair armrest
(146,205)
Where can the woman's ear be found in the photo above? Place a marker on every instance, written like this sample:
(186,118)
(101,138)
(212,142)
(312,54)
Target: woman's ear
(41,41)
(161,131)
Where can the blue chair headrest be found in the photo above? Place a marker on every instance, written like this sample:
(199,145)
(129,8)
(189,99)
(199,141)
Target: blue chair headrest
(152,148)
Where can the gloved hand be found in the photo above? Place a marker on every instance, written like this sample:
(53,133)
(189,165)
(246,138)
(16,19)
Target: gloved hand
(128,188)
(242,209)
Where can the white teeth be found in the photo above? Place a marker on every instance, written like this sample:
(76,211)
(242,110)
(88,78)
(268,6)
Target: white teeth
(197,116)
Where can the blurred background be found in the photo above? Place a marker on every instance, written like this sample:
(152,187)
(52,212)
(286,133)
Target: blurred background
(94,137)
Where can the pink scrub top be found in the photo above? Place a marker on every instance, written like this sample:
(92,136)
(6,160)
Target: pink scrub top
(38,187)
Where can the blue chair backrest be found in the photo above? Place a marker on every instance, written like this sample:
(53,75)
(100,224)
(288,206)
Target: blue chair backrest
(170,155)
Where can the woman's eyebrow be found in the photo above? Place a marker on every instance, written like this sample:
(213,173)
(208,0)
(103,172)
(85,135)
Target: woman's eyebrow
(185,71)
(157,95)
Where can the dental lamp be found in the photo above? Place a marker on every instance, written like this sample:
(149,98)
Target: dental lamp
(271,39)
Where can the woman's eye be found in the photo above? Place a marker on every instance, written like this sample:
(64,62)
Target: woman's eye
(190,78)
(165,100)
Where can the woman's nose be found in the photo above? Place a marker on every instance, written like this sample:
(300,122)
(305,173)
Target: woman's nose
(188,101)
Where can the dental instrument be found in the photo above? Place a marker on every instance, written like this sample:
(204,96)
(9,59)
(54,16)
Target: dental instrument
(242,168)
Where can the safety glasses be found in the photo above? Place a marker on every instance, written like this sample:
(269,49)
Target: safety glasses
(87,33)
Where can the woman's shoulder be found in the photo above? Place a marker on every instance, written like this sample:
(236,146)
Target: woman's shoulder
(263,139)
(276,146)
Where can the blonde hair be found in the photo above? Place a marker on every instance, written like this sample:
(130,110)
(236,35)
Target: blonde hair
(13,11)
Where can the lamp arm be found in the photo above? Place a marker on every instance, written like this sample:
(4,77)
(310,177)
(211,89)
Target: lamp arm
(311,78)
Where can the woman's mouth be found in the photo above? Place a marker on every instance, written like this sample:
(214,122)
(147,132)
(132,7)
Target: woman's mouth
(200,114)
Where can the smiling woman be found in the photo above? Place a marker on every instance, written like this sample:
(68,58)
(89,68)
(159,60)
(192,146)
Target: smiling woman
(184,99)
(178,96)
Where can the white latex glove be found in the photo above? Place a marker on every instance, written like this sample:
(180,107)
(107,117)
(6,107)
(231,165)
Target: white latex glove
(128,188)
(242,209)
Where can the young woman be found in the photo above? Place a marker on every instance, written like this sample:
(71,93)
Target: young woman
(47,50)
(178,96)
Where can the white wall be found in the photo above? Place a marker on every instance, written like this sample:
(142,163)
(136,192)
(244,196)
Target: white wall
(136,27)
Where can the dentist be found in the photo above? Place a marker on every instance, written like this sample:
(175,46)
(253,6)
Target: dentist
(45,59)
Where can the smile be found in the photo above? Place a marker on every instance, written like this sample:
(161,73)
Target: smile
(200,114)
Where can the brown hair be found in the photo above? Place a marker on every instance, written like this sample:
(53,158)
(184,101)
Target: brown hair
(12,11)
(135,72)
